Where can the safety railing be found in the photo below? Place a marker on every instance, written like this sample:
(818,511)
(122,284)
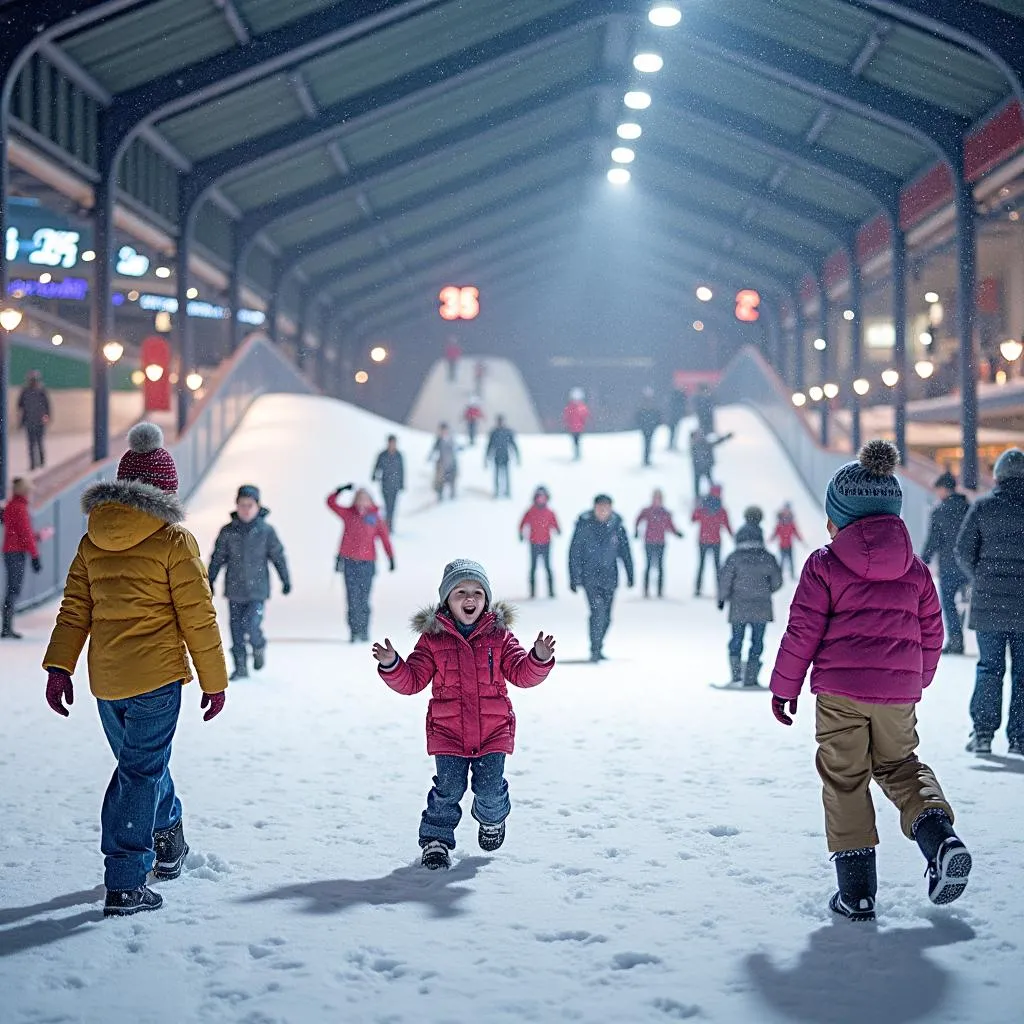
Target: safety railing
(257,369)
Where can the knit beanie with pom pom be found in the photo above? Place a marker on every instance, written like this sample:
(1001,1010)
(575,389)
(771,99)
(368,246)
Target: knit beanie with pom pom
(866,487)
(146,460)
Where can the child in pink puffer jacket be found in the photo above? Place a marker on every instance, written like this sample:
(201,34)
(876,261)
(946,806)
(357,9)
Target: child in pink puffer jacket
(866,615)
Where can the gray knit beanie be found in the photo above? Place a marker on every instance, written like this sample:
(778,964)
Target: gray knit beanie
(866,487)
(1009,465)
(459,570)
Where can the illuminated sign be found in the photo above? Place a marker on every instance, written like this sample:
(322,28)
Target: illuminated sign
(76,288)
(199,309)
(459,303)
(47,247)
(747,302)
(131,263)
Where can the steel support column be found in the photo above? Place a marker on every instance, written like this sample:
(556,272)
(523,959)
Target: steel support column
(323,326)
(856,343)
(899,321)
(102,312)
(800,329)
(235,332)
(825,363)
(182,322)
(301,352)
(966,245)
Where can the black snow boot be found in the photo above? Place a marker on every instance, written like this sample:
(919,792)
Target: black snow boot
(436,856)
(979,743)
(858,884)
(949,863)
(241,659)
(259,657)
(735,668)
(954,647)
(750,673)
(490,837)
(171,851)
(125,902)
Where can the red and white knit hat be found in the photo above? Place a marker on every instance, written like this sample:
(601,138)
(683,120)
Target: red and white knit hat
(147,460)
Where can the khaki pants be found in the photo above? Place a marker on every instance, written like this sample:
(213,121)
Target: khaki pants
(858,742)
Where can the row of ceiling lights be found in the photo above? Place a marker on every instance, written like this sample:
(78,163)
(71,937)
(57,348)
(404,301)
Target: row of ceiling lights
(661,15)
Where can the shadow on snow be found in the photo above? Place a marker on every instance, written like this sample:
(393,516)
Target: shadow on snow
(46,932)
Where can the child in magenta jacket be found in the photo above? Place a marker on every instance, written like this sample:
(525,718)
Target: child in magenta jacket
(467,650)
(866,616)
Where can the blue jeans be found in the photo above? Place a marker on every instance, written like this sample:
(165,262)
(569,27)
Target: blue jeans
(358,583)
(950,584)
(600,599)
(739,630)
(786,558)
(715,550)
(140,797)
(502,480)
(246,625)
(491,805)
(987,700)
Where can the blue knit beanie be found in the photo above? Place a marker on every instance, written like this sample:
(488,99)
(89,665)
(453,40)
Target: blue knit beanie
(459,570)
(866,487)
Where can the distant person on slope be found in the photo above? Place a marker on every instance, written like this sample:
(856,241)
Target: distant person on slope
(946,519)
(678,406)
(746,583)
(648,419)
(34,408)
(704,407)
(473,417)
(357,555)
(785,533)
(500,447)
(599,543)
(575,417)
(866,621)
(702,454)
(446,466)
(389,472)
(713,519)
(452,355)
(137,591)
(20,546)
(467,650)
(541,522)
(657,522)
(246,547)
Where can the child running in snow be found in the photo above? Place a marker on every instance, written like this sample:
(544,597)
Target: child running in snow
(712,518)
(747,581)
(785,533)
(245,546)
(657,521)
(467,650)
(866,615)
(541,521)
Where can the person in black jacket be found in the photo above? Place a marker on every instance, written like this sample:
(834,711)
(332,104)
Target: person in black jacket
(648,419)
(946,520)
(389,470)
(678,405)
(500,446)
(599,543)
(34,407)
(990,550)
(704,407)
(702,454)
(245,547)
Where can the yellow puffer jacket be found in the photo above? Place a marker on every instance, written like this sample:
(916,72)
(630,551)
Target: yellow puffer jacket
(139,589)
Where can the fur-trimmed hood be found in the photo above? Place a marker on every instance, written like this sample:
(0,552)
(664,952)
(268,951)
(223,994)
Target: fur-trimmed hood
(123,513)
(429,619)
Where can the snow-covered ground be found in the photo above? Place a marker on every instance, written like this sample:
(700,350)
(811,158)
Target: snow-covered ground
(665,858)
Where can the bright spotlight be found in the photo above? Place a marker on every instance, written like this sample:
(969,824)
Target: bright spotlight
(154,372)
(57,340)
(831,390)
(925,337)
(861,386)
(619,176)
(848,314)
(378,353)
(623,155)
(194,381)
(629,131)
(192,293)
(704,293)
(361,377)
(162,272)
(665,15)
(931,297)
(924,368)
(890,378)
(815,393)
(648,63)
(88,256)
(820,344)
(799,399)
(698,325)
(45,278)
(112,351)
(637,100)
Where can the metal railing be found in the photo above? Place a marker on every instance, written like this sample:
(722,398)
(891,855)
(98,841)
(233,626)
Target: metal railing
(257,369)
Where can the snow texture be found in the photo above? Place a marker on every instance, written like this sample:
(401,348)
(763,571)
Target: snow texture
(665,858)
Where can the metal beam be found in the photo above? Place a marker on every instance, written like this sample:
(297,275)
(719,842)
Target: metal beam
(238,27)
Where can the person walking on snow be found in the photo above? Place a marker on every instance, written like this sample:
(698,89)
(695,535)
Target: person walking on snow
(246,546)
(575,417)
(137,591)
(746,583)
(34,408)
(452,355)
(704,407)
(702,454)
(467,650)
(785,533)
(357,554)
(20,545)
(678,406)
(990,550)
(473,417)
(389,472)
(500,446)
(598,544)
(944,526)
(541,522)
(866,620)
(648,419)
(657,521)
(446,466)
(712,518)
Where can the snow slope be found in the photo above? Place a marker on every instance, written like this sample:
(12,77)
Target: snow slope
(665,858)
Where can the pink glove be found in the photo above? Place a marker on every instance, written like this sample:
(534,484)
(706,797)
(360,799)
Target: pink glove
(779,709)
(58,687)
(215,702)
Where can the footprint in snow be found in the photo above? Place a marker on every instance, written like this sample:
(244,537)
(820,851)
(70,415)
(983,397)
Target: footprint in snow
(627,961)
(586,938)
(721,831)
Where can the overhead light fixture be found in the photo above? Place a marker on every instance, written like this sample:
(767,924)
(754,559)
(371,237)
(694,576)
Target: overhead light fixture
(57,340)
(831,390)
(704,293)
(799,399)
(890,378)
(636,99)
(45,278)
(820,344)
(648,63)
(925,337)
(192,293)
(138,378)
(931,296)
(665,15)
(162,321)
(361,377)
(848,314)
(861,386)
(619,176)
(623,155)
(924,368)
(133,296)
(112,351)
(629,131)
(1011,350)
(163,272)
(154,372)
(10,318)
(88,256)
(815,393)
(194,381)
(698,325)
(378,353)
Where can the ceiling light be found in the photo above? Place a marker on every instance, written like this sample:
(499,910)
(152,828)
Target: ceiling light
(931,296)
(799,399)
(361,377)
(112,351)
(623,155)
(820,344)
(665,15)
(637,100)
(648,63)
(57,340)
(378,353)
(704,293)
(10,318)
(848,314)
(924,368)
(925,337)
(831,390)
(619,176)
(861,386)
(133,296)
(815,393)
(192,293)
(698,325)
(45,278)
(88,256)
(1011,350)
(154,372)
(194,381)
(629,131)
(162,272)
(890,378)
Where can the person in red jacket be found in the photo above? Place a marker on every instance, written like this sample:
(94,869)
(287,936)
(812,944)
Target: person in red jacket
(473,416)
(357,556)
(713,518)
(20,544)
(785,533)
(452,355)
(657,522)
(576,416)
(467,650)
(541,522)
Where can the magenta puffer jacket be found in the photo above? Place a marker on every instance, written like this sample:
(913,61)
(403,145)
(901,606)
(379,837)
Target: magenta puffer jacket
(866,614)
(469,714)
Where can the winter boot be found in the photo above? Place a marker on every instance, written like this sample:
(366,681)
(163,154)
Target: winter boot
(954,647)
(735,668)
(125,902)
(436,856)
(259,657)
(979,743)
(858,884)
(171,851)
(241,659)
(750,673)
(491,837)
(949,863)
